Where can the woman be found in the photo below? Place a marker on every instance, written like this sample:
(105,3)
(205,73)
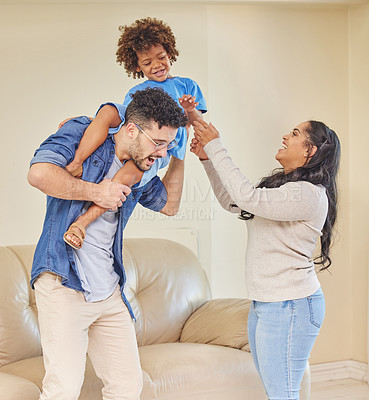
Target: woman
(285,215)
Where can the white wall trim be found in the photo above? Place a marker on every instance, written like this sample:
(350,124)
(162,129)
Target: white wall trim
(339,370)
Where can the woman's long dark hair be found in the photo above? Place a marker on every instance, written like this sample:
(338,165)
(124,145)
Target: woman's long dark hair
(321,169)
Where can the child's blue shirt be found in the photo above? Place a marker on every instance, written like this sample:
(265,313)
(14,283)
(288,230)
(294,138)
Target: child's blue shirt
(176,87)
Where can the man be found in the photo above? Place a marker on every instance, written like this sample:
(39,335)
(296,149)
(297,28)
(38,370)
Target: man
(79,293)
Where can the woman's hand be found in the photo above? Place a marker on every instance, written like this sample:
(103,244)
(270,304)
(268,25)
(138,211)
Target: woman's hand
(204,133)
(197,148)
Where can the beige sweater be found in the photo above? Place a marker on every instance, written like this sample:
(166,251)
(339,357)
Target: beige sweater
(283,234)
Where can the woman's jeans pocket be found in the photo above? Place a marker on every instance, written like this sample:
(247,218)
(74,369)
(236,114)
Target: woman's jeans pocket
(317,308)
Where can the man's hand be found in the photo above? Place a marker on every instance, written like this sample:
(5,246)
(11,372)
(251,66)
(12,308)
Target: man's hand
(110,194)
(57,182)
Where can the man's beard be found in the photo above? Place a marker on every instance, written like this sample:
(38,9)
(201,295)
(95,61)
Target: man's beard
(137,156)
(140,164)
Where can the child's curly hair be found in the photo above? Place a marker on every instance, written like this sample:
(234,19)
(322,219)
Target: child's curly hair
(140,36)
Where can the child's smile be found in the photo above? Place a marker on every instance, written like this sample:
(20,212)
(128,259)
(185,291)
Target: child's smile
(154,63)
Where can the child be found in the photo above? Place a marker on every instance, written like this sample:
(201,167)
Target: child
(145,48)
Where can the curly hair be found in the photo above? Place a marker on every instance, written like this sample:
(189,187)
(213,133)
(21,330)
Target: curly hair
(321,169)
(139,37)
(154,105)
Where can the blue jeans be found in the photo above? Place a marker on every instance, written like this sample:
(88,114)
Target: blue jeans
(281,336)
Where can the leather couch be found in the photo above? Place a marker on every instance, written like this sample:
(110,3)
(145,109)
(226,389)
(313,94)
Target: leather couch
(191,347)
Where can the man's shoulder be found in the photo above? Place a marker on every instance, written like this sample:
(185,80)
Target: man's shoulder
(72,130)
(73,127)
(59,147)
(83,120)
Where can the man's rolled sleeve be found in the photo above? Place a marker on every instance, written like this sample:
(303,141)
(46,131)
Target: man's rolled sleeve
(49,156)
(59,148)
(155,195)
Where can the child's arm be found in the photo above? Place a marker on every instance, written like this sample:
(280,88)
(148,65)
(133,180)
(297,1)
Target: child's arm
(94,136)
(189,104)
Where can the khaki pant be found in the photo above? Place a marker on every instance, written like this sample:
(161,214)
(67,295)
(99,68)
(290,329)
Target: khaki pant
(70,327)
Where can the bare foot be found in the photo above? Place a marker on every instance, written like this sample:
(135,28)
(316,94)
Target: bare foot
(75,169)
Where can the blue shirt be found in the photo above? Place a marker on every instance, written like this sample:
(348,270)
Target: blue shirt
(176,87)
(52,253)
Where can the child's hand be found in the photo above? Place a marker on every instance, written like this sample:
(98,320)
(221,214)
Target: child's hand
(188,102)
(75,169)
(197,148)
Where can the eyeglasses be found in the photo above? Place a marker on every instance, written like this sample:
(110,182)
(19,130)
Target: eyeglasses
(159,146)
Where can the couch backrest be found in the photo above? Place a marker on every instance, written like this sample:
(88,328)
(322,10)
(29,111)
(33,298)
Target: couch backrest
(165,284)
(19,334)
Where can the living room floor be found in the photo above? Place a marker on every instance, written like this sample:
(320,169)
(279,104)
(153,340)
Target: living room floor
(342,389)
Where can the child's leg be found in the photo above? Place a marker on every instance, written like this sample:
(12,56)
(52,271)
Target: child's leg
(93,137)
(128,175)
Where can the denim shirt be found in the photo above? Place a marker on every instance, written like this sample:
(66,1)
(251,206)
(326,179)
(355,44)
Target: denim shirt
(52,253)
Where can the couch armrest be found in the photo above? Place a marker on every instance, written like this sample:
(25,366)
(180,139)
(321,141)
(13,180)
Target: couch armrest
(14,387)
(221,322)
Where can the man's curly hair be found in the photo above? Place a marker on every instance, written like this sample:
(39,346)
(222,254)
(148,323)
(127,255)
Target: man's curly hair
(154,105)
(139,37)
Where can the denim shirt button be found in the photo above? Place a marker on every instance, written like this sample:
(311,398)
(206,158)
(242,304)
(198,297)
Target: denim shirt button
(111,151)
(95,162)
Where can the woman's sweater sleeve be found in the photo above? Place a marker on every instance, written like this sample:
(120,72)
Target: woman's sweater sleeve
(219,190)
(292,201)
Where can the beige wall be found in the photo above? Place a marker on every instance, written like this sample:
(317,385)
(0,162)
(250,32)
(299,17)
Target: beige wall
(276,67)
(263,69)
(359,166)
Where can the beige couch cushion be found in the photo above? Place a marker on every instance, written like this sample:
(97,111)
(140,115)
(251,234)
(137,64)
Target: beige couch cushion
(191,370)
(18,321)
(165,285)
(14,388)
(222,322)
(32,369)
